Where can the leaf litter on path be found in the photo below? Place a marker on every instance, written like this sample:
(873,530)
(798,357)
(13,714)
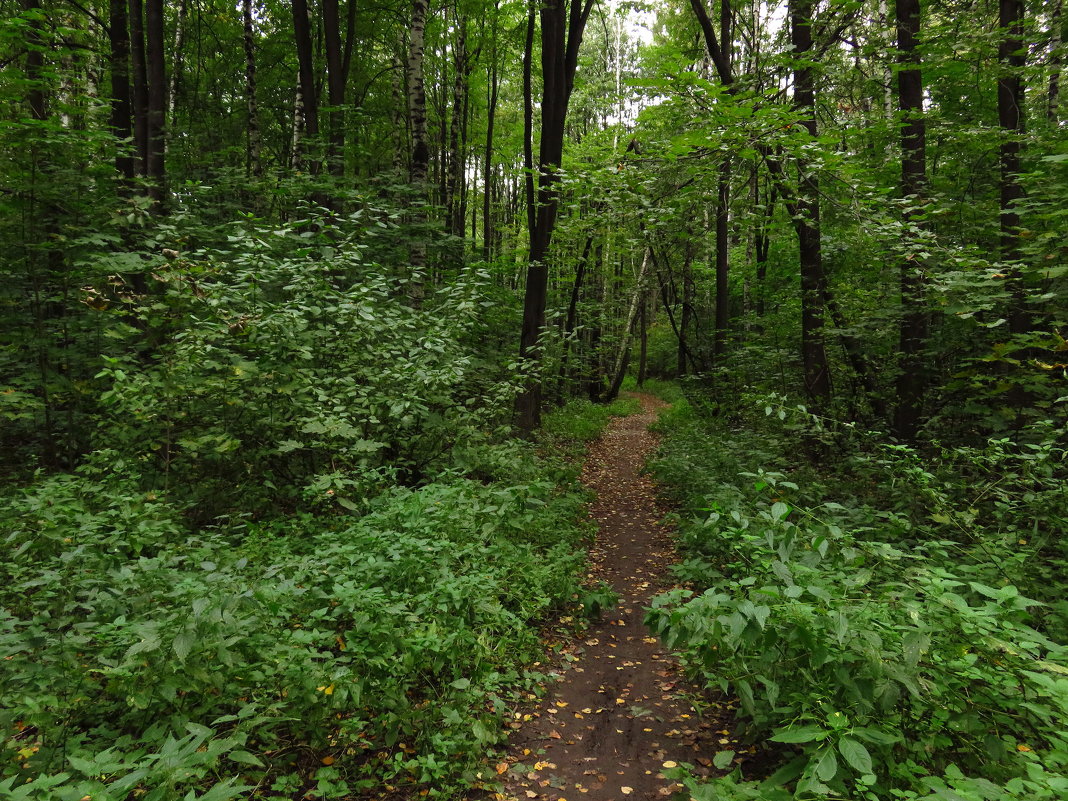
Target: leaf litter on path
(618,717)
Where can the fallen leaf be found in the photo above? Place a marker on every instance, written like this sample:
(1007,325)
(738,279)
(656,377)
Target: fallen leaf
(626,790)
(502,767)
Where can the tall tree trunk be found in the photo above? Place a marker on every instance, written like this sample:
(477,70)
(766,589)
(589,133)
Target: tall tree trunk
(813,351)
(177,60)
(1056,61)
(119,34)
(529,182)
(722,265)
(911,380)
(157,101)
(335,81)
(487,170)
(457,162)
(140,84)
(309,98)
(1011,49)
(252,128)
(684,314)
(723,198)
(561,34)
(399,117)
(571,321)
(420,158)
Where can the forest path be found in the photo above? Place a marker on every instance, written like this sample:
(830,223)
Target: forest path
(619,714)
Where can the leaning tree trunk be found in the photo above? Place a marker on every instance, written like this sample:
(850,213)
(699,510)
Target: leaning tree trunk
(623,356)
(912,370)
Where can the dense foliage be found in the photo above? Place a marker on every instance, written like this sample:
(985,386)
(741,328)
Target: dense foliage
(893,618)
(281,283)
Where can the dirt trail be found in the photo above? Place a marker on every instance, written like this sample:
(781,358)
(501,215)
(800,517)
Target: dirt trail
(606,729)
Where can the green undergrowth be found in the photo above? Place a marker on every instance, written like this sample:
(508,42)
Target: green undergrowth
(893,619)
(320,654)
(289,564)
(580,421)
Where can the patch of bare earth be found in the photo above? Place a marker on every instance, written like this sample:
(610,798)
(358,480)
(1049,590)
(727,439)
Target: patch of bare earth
(619,714)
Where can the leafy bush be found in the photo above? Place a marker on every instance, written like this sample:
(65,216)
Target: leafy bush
(288,363)
(896,650)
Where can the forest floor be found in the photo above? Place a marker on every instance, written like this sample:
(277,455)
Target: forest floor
(621,712)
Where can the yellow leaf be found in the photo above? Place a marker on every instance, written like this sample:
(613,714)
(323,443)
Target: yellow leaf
(1022,747)
(326,690)
(327,760)
(502,767)
(626,790)
(671,764)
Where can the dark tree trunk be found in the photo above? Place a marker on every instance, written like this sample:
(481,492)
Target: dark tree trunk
(722,264)
(120,88)
(457,162)
(140,84)
(157,101)
(571,321)
(309,97)
(813,351)
(335,81)
(911,380)
(561,35)
(762,245)
(684,314)
(487,171)
(1011,49)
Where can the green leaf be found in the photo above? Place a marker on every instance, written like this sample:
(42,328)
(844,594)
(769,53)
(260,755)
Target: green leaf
(802,734)
(722,759)
(245,758)
(461,684)
(856,755)
(183,644)
(779,510)
(826,764)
